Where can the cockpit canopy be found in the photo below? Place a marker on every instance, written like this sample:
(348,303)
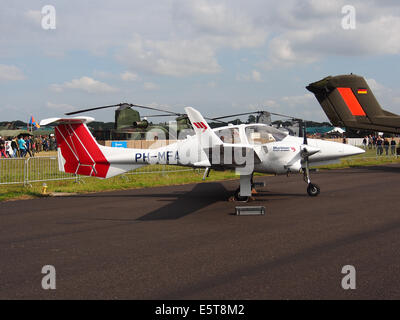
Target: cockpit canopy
(255,134)
(262,134)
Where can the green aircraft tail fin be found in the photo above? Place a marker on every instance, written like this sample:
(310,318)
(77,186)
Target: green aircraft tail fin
(348,101)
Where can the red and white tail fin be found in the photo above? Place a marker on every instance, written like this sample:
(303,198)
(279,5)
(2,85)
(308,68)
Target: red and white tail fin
(206,135)
(78,151)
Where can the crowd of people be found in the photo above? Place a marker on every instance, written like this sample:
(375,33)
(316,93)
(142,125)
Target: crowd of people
(380,144)
(23,146)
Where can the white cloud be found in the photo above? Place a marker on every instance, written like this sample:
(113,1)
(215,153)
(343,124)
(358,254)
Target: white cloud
(304,106)
(150,86)
(221,23)
(10,73)
(102,74)
(296,100)
(172,57)
(252,76)
(212,84)
(201,30)
(59,106)
(86,84)
(388,98)
(129,76)
(312,30)
(34,16)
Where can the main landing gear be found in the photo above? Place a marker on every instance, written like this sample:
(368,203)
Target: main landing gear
(245,190)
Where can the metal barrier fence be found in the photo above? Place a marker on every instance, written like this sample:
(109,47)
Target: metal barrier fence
(39,169)
(12,170)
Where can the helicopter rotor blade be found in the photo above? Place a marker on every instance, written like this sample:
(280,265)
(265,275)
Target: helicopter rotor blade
(159,115)
(235,115)
(95,108)
(123,106)
(256,112)
(156,109)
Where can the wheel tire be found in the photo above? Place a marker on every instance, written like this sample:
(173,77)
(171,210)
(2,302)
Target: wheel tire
(313,190)
(238,197)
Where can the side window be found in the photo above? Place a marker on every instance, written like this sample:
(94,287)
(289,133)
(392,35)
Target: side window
(258,135)
(230,135)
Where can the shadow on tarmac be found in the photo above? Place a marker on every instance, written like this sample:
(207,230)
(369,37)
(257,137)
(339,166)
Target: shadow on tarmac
(202,195)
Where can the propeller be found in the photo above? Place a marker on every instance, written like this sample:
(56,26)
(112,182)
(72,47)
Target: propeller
(304,133)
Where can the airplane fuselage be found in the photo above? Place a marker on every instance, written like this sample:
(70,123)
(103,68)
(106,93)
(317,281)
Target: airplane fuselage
(277,157)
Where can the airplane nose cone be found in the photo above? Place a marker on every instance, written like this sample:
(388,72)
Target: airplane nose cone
(350,150)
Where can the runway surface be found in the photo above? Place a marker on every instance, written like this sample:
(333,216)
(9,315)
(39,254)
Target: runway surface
(184,242)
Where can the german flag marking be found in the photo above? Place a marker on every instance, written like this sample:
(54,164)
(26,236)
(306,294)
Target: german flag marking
(362,91)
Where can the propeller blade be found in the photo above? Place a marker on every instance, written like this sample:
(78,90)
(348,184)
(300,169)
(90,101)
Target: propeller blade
(305,133)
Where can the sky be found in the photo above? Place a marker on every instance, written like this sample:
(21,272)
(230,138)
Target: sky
(220,57)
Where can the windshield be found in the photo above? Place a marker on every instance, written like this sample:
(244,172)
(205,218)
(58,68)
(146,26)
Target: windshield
(263,134)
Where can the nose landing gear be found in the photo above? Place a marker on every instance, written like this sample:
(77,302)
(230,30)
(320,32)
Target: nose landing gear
(312,189)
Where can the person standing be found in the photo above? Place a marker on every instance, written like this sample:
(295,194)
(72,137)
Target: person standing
(393,147)
(52,143)
(3,148)
(379,148)
(365,142)
(38,144)
(32,145)
(369,142)
(9,149)
(14,146)
(386,146)
(45,144)
(22,147)
(28,146)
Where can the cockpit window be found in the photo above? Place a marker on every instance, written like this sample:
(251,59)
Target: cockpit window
(230,135)
(263,134)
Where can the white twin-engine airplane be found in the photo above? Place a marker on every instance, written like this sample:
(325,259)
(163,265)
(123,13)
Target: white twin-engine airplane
(247,148)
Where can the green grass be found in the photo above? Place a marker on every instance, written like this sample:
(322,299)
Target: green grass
(89,184)
(131,181)
(369,158)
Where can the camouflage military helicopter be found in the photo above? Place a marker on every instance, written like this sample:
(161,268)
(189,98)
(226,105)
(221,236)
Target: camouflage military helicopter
(129,125)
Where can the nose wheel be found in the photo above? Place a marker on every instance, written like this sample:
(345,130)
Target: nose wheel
(313,190)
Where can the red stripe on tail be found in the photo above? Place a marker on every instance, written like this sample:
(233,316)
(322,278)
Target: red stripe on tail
(351,102)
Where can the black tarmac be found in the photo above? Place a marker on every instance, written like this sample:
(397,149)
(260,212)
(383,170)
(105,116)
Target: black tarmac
(184,242)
